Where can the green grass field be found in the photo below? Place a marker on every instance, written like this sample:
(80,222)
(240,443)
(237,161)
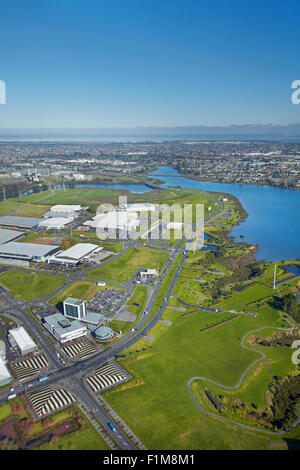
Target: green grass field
(123,268)
(156,404)
(5,411)
(8,205)
(31,210)
(83,196)
(27,286)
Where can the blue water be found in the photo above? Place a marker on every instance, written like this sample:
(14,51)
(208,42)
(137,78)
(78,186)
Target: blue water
(292,268)
(209,247)
(273,214)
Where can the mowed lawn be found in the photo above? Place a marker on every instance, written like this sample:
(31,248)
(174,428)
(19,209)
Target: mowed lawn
(6,206)
(5,411)
(244,298)
(160,410)
(27,286)
(31,210)
(123,268)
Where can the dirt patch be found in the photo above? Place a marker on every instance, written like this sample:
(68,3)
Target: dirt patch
(219,324)
(276,445)
(177,309)
(149,338)
(8,431)
(190,313)
(166,322)
(43,241)
(261,365)
(56,432)
(124,315)
(251,340)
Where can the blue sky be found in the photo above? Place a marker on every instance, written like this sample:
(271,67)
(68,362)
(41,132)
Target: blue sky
(124,63)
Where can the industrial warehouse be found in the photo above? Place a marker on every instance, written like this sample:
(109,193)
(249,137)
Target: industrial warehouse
(5,376)
(19,222)
(55,223)
(115,220)
(7,235)
(23,253)
(18,337)
(137,207)
(67,212)
(76,254)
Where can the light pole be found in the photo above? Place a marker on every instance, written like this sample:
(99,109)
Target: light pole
(274,281)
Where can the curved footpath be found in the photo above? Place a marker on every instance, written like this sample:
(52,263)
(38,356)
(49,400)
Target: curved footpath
(234,387)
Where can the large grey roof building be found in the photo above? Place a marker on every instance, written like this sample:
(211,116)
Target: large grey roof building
(27,251)
(76,253)
(7,235)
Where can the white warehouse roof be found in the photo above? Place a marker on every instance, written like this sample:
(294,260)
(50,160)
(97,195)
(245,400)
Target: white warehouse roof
(66,208)
(115,220)
(5,376)
(23,340)
(138,207)
(78,251)
(150,272)
(55,222)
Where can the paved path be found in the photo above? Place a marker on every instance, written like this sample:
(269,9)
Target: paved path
(200,294)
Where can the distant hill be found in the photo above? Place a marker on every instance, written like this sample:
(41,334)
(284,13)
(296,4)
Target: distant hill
(289,132)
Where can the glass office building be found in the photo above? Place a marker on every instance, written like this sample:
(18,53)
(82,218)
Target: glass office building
(75,308)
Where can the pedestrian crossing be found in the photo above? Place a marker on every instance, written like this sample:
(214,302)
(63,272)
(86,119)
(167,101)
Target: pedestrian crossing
(81,348)
(28,367)
(105,376)
(46,400)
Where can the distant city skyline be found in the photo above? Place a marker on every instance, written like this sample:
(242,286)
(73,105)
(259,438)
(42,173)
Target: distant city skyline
(75,64)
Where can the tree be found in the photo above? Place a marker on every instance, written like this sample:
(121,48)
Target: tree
(290,306)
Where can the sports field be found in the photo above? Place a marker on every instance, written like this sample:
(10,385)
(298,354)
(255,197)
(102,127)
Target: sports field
(123,268)
(27,286)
